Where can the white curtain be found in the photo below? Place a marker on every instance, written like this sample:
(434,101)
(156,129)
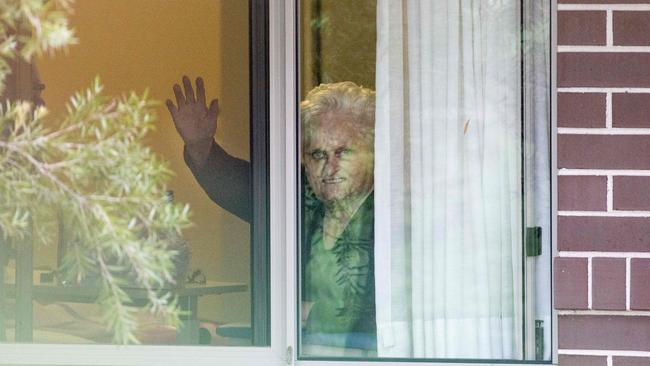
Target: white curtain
(448,179)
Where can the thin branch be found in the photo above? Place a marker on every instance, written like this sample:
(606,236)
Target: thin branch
(43,170)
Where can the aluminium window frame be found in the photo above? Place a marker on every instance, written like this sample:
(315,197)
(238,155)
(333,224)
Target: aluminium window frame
(273,28)
(293,81)
(283,239)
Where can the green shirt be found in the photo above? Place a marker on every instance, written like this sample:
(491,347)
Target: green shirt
(340,281)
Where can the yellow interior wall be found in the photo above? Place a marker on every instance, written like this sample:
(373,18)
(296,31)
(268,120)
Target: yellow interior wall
(133,45)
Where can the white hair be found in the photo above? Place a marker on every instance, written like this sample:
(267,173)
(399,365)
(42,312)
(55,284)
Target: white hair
(345,97)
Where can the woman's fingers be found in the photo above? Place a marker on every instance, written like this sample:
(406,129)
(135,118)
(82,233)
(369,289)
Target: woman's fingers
(214,108)
(171,107)
(200,91)
(180,98)
(189,92)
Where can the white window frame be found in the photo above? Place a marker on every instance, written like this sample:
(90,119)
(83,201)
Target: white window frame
(283,241)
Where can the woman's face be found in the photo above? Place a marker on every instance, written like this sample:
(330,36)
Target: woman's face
(338,160)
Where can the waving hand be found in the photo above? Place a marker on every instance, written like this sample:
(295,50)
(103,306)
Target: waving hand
(194,120)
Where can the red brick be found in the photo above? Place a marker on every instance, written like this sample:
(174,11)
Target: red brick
(630,361)
(603,69)
(640,284)
(629,110)
(604,151)
(581,110)
(581,27)
(570,283)
(607,234)
(608,283)
(582,193)
(572,360)
(631,193)
(631,28)
(598,332)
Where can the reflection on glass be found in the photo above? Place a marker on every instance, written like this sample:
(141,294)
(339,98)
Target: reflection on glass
(337,145)
(413,212)
(209,272)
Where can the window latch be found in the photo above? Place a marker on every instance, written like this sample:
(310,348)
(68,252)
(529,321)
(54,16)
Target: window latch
(533,241)
(289,355)
(539,340)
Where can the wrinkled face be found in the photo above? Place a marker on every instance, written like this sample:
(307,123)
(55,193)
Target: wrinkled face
(338,161)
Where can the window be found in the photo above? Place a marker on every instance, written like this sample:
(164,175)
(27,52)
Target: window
(53,283)
(287,36)
(424,180)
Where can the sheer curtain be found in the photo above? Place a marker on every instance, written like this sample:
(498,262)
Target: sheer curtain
(448,179)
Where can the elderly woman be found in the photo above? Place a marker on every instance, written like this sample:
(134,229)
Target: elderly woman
(337,242)
(337,237)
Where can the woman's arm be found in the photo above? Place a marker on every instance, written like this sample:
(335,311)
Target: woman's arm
(226,180)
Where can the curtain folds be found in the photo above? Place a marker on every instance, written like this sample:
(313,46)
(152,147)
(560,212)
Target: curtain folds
(448,179)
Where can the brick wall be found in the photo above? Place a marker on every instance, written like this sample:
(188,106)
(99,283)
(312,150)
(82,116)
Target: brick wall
(602,273)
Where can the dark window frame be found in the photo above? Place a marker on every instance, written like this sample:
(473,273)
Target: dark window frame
(259,84)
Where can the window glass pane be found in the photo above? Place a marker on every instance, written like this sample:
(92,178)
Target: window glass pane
(53,296)
(425,180)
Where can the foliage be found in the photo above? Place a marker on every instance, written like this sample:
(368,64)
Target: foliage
(93,172)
